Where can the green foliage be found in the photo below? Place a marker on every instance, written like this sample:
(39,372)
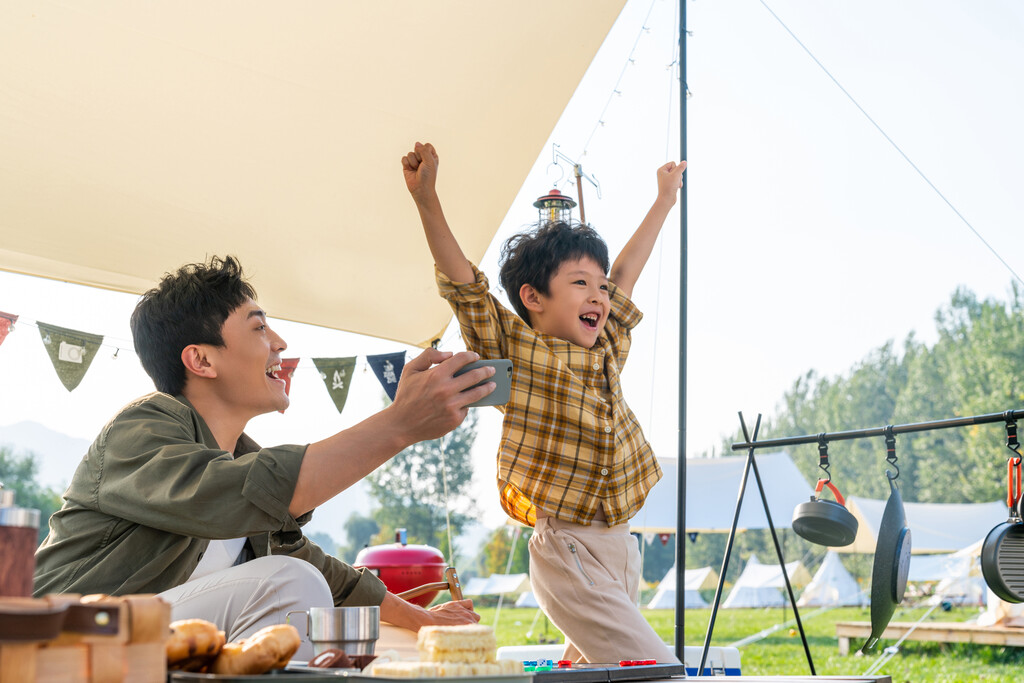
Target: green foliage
(18,474)
(359,530)
(416,487)
(976,367)
(494,555)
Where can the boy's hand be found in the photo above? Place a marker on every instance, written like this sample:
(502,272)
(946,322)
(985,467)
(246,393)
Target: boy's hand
(670,179)
(420,169)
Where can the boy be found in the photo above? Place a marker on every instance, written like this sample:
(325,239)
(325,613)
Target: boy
(173,497)
(573,461)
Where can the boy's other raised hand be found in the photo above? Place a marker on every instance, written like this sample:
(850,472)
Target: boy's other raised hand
(670,179)
(420,169)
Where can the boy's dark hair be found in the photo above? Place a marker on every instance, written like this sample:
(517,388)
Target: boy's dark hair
(533,257)
(187,307)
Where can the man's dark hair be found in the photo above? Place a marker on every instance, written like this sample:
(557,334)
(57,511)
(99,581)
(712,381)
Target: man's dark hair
(533,257)
(187,307)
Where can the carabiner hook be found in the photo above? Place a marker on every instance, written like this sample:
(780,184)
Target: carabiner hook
(890,453)
(823,458)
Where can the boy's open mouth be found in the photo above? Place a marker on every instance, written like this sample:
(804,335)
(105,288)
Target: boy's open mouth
(590,320)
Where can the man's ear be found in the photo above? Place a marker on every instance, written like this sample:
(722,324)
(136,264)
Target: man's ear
(531,298)
(197,362)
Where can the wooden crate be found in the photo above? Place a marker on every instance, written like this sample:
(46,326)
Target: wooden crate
(103,639)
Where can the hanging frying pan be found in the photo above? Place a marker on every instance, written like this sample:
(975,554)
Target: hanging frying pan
(1002,553)
(825,522)
(892,563)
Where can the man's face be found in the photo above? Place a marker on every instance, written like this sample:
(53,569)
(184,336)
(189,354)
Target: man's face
(251,352)
(577,304)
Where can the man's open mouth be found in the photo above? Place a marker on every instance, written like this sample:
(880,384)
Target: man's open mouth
(272,370)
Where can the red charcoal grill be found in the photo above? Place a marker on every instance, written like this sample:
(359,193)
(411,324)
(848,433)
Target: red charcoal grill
(416,573)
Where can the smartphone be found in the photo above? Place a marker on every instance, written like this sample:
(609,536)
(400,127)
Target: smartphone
(502,377)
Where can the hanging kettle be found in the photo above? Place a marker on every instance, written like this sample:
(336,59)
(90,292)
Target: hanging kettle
(1002,553)
(825,522)
(891,565)
(822,521)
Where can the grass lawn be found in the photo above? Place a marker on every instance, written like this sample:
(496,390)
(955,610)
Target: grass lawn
(782,652)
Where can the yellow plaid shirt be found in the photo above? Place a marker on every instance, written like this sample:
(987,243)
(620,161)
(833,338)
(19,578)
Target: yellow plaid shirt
(569,442)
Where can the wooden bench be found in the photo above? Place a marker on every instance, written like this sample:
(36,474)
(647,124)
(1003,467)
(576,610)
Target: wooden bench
(936,632)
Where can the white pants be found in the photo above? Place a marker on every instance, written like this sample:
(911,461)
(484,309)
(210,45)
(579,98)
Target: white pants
(587,580)
(243,599)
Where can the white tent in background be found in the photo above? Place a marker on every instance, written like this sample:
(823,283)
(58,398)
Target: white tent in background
(497,584)
(527,599)
(961,582)
(694,580)
(832,586)
(761,585)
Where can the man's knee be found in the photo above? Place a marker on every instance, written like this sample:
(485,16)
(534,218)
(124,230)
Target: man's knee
(296,577)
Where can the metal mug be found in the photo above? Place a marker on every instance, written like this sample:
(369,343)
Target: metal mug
(353,630)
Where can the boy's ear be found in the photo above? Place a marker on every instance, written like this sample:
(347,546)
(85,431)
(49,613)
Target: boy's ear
(531,298)
(196,360)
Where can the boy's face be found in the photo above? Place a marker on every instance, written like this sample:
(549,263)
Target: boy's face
(244,365)
(577,304)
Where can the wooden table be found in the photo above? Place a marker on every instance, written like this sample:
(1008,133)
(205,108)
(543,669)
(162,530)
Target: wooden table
(935,632)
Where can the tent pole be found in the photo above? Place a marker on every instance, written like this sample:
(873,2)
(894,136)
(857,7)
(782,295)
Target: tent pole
(681,458)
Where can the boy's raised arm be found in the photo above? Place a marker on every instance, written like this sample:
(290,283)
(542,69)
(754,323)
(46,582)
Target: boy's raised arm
(633,257)
(420,169)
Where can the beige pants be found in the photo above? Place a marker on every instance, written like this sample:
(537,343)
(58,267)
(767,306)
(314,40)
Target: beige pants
(587,580)
(243,599)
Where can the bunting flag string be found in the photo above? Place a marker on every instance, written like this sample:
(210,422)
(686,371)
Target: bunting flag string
(388,368)
(337,376)
(70,351)
(7,321)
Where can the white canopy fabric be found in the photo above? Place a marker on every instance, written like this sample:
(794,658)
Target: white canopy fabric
(527,599)
(694,580)
(497,584)
(712,487)
(934,527)
(136,137)
(760,585)
(832,586)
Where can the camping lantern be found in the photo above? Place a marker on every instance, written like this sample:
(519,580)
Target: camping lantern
(402,567)
(554,207)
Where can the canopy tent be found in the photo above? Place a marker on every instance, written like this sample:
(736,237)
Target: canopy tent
(712,487)
(760,585)
(832,586)
(497,584)
(934,527)
(137,137)
(958,575)
(694,580)
(527,599)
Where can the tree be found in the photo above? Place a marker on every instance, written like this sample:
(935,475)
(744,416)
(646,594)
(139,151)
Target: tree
(359,530)
(18,474)
(426,485)
(505,541)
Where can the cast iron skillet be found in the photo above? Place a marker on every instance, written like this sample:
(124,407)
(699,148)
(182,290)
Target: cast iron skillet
(1002,553)
(824,522)
(892,563)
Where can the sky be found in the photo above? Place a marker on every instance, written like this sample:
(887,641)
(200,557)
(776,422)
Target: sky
(828,213)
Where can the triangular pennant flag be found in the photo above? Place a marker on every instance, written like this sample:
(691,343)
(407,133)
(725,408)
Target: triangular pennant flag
(287,370)
(388,368)
(70,351)
(337,376)
(693,536)
(7,321)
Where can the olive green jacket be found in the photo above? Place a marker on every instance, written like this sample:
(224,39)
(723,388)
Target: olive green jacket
(155,487)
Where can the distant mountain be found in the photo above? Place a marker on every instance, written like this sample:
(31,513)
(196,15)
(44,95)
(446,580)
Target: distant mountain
(56,454)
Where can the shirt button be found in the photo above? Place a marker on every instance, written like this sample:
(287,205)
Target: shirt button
(597,366)
(607,430)
(604,471)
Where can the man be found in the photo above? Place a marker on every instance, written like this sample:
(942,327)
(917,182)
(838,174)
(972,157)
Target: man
(173,497)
